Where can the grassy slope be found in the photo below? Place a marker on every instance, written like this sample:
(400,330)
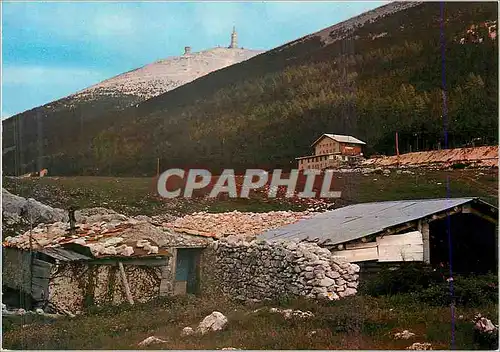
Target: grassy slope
(355,323)
(135,196)
(265,111)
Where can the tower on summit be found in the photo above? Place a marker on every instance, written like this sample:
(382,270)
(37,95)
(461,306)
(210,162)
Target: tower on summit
(234,39)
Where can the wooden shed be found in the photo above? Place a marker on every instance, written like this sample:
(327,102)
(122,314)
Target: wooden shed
(408,230)
(66,269)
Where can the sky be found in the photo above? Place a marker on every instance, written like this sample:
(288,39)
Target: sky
(53,49)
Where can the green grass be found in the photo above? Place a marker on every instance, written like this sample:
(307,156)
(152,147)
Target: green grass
(133,196)
(359,322)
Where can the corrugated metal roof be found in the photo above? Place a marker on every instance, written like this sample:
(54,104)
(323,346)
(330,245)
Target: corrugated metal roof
(340,138)
(359,220)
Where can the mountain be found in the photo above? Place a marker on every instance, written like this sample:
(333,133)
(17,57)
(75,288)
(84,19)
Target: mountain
(43,124)
(164,75)
(382,72)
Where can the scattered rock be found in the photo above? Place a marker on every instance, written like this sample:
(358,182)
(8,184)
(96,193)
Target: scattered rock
(311,333)
(484,325)
(290,313)
(417,346)
(187,331)
(213,322)
(404,335)
(243,224)
(150,340)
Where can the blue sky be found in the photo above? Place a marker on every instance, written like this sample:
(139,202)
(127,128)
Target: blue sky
(53,49)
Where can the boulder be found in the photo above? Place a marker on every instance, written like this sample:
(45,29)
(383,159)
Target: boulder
(214,322)
(150,340)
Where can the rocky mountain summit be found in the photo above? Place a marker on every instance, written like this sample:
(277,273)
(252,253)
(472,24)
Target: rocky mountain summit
(164,75)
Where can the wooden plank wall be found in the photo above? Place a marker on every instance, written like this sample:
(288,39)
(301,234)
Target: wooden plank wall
(391,248)
(401,248)
(41,275)
(16,269)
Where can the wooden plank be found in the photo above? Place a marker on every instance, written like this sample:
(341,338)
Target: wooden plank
(358,255)
(125,283)
(400,248)
(41,272)
(151,262)
(414,237)
(403,253)
(361,245)
(445,214)
(483,216)
(42,263)
(426,243)
(39,289)
(16,269)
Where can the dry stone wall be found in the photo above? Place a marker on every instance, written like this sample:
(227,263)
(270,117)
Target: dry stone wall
(260,270)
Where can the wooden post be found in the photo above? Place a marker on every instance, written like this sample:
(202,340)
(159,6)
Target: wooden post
(397,145)
(125,283)
(426,242)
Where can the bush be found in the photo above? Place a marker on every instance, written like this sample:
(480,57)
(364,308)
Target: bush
(429,286)
(460,166)
(469,291)
(408,277)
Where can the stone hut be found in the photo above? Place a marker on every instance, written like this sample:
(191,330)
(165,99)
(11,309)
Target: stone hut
(108,262)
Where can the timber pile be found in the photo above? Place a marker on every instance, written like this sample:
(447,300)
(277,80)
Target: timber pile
(238,223)
(479,157)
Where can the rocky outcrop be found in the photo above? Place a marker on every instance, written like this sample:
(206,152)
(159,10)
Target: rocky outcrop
(15,208)
(260,270)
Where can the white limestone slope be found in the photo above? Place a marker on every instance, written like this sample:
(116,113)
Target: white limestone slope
(167,74)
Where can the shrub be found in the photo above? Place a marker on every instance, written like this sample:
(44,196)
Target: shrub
(428,286)
(408,277)
(459,166)
(471,291)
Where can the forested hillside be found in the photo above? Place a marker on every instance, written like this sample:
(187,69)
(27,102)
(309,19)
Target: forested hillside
(383,77)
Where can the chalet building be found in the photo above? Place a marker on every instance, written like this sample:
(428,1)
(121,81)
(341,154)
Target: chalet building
(332,150)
